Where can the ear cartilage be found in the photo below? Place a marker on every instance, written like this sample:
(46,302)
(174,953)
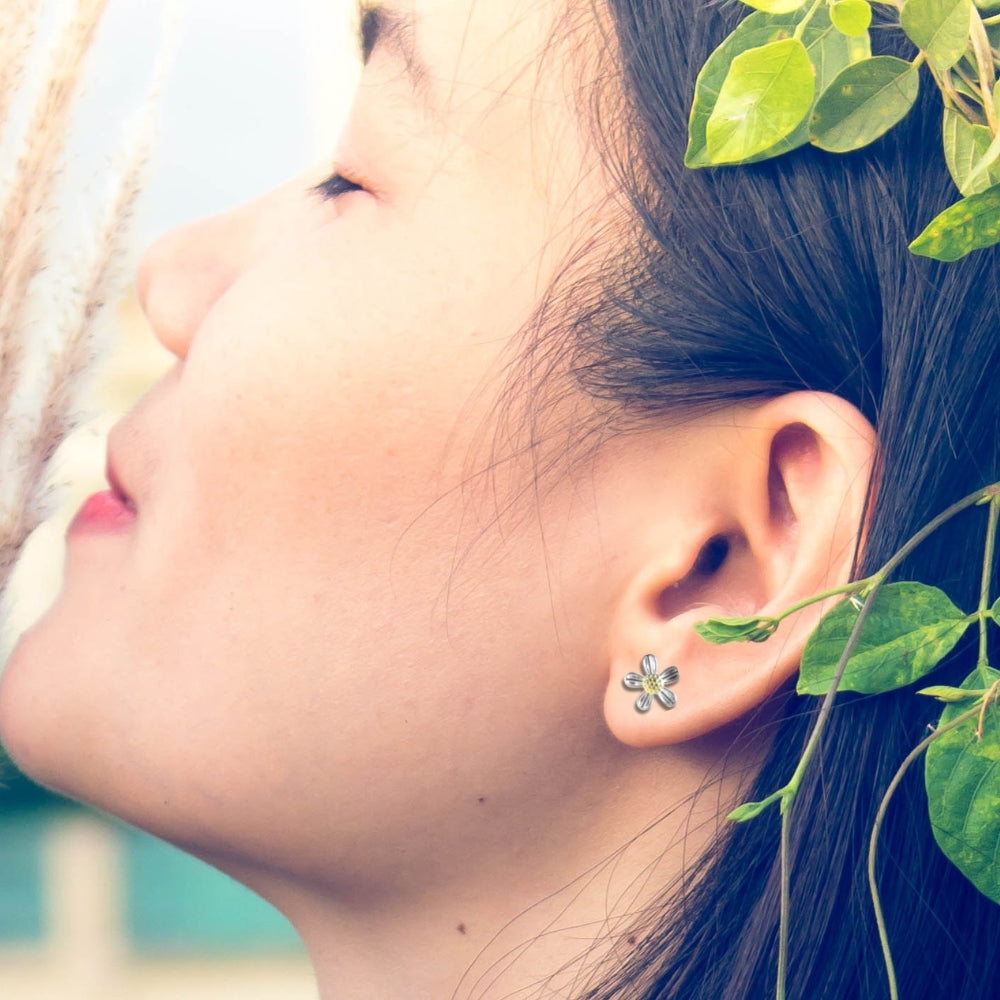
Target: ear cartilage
(652,684)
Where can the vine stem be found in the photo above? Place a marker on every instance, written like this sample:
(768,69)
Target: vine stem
(952,98)
(785,905)
(987,578)
(856,586)
(984,65)
(789,791)
(804,23)
(787,794)
(883,808)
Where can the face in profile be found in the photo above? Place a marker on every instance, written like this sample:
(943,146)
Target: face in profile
(299,610)
(352,620)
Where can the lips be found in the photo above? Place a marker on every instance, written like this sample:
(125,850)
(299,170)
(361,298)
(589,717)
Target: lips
(116,486)
(108,512)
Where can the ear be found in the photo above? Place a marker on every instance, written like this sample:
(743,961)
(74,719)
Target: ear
(767,515)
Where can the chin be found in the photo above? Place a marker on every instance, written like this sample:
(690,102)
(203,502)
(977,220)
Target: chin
(37,716)
(22,728)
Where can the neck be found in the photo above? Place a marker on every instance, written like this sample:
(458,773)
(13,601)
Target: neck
(543,921)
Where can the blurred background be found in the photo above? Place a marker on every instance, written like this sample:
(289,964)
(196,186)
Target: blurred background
(254,92)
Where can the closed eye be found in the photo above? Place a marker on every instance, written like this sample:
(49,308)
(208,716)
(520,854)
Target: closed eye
(335,185)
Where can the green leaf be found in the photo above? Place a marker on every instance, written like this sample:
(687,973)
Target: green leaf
(775,6)
(766,94)
(723,630)
(939,27)
(995,611)
(829,51)
(962,777)
(986,161)
(970,224)
(944,693)
(851,17)
(910,628)
(863,102)
(965,144)
(965,90)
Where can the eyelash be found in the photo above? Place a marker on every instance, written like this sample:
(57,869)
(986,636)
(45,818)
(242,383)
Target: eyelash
(335,185)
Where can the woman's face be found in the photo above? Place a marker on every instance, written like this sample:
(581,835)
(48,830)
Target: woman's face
(319,619)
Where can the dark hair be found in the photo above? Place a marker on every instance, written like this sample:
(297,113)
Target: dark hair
(750,282)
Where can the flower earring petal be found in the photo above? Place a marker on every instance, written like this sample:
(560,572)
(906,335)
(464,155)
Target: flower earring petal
(652,683)
(666,698)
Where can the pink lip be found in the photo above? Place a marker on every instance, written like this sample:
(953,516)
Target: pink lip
(107,511)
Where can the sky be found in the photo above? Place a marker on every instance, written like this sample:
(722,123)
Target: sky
(255,92)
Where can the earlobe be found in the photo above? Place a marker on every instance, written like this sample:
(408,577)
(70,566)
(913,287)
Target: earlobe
(785,527)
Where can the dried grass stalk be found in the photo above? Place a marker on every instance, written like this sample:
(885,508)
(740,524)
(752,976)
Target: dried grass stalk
(44,396)
(17,28)
(67,365)
(27,202)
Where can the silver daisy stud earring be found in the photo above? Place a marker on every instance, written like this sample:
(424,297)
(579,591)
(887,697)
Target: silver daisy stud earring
(652,684)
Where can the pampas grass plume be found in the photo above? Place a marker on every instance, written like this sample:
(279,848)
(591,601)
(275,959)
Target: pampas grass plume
(43,370)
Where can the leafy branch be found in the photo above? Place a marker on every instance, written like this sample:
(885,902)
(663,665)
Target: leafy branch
(802,71)
(986,698)
(882,637)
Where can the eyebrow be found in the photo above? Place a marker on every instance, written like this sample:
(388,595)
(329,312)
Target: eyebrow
(380,26)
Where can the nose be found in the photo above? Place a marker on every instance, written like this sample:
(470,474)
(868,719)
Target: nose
(185,272)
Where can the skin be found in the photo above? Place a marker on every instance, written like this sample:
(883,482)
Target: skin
(324,656)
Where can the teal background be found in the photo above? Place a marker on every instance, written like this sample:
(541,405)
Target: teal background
(172,902)
(21,898)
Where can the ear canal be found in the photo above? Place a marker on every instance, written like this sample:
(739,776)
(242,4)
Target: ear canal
(723,572)
(691,590)
(711,556)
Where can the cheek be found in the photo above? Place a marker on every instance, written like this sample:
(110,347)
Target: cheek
(295,556)
(353,389)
